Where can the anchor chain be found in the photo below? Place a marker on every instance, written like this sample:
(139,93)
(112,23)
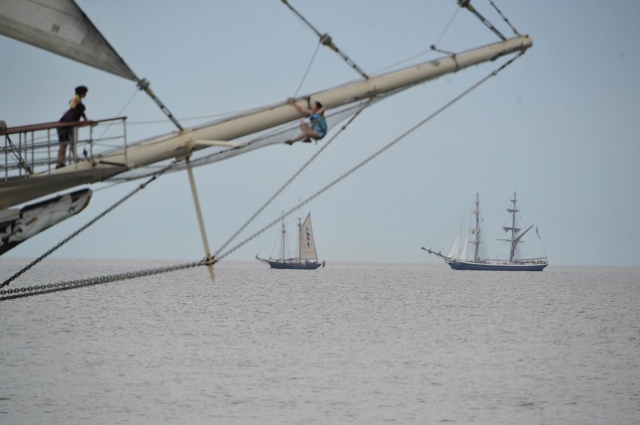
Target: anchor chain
(10,294)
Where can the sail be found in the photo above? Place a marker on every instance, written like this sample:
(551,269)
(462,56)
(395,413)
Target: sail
(455,248)
(307,242)
(463,254)
(60,27)
(515,242)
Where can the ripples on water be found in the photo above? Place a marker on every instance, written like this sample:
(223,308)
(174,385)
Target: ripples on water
(351,343)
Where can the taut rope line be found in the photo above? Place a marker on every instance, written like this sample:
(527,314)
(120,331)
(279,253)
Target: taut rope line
(288,182)
(370,158)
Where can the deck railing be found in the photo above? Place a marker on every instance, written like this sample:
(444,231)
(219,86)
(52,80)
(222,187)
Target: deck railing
(33,149)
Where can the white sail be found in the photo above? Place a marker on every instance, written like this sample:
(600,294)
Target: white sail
(307,242)
(455,249)
(59,26)
(463,254)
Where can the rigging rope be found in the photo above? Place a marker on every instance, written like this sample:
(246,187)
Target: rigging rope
(325,39)
(432,47)
(544,251)
(126,105)
(446,28)
(291,179)
(11,294)
(467,4)
(109,125)
(144,85)
(313,58)
(504,18)
(370,158)
(17,155)
(60,286)
(274,136)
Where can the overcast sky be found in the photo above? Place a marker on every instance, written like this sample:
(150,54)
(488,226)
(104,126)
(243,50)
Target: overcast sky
(559,127)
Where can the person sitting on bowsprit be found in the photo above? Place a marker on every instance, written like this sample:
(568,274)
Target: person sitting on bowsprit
(317,126)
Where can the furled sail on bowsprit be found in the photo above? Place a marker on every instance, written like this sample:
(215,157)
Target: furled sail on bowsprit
(59,26)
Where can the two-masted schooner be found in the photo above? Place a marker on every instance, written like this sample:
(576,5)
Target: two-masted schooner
(306,258)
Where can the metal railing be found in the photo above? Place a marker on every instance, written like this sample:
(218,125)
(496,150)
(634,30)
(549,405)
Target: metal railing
(33,149)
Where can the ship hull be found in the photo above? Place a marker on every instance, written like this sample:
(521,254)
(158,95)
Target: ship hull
(293,265)
(465,265)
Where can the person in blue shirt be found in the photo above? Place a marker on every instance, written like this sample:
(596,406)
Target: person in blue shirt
(316,128)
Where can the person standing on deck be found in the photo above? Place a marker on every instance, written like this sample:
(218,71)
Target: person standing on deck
(75,112)
(317,126)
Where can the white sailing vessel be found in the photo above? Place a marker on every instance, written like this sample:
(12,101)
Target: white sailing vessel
(28,172)
(468,256)
(306,258)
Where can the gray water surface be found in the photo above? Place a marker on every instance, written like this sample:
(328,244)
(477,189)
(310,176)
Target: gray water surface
(350,343)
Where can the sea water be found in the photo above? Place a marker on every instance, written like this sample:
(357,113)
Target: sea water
(347,344)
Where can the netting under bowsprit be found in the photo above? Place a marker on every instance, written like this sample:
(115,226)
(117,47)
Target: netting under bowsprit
(270,137)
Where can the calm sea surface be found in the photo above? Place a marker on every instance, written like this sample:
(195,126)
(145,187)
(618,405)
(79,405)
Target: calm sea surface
(347,344)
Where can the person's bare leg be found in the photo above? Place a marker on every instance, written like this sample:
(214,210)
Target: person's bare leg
(61,151)
(306,132)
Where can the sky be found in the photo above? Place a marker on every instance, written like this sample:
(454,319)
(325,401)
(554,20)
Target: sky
(559,127)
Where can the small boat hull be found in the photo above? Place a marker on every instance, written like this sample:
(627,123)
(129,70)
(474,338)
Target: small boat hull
(307,265)
(307,258)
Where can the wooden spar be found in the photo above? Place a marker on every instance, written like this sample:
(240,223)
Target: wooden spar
(176,144)
(203,233)
(180,144)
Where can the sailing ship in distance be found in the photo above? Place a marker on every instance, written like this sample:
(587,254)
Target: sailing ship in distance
(307,257)
(459,258)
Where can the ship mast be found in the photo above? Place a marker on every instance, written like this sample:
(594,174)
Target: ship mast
(514,239)
(299,239)
(514,230)
(283,236)
(516,236)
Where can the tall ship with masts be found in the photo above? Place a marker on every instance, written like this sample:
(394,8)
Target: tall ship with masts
(467,256)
